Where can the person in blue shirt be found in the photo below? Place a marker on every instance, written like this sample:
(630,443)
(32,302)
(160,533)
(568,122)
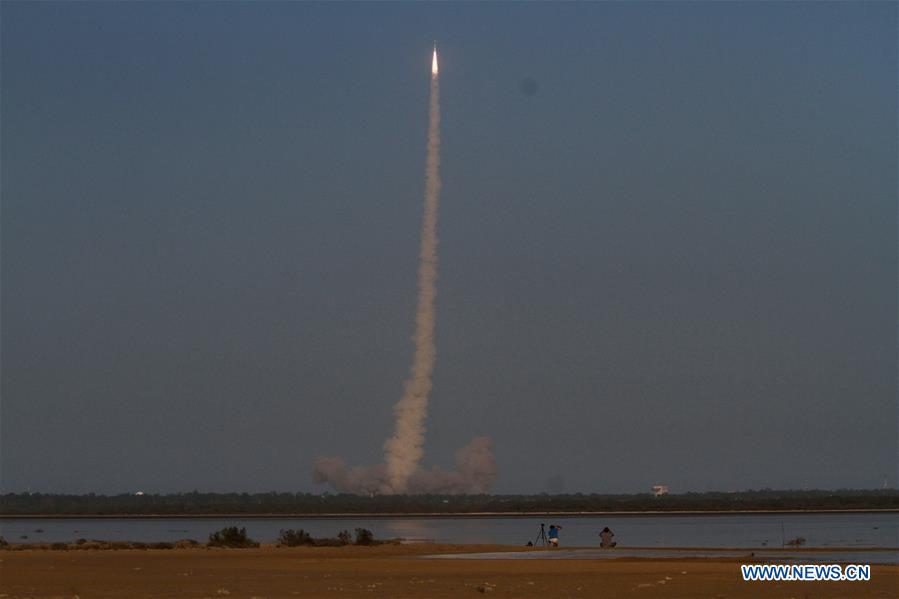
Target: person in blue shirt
(554,534)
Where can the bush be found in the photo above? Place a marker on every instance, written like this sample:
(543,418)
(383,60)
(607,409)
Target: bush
(344,537)
(3,542)
(161,545)
(59,546)
(186,544)
(294,538)
(90,545)
(231,536)
(364,537)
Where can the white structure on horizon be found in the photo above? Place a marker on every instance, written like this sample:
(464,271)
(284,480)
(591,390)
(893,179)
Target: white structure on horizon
(659,490)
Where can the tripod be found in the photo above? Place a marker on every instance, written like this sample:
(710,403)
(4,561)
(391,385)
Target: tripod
(541,539)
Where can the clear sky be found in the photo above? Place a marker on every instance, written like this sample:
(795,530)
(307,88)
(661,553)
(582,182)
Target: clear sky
(668,241)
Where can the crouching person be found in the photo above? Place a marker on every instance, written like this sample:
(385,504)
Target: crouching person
(554,534)
(605,538)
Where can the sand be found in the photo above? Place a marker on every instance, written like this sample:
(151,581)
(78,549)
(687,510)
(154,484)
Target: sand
(390,571)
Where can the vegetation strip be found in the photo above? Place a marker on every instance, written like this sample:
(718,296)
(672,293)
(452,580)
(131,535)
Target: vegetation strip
(307,505)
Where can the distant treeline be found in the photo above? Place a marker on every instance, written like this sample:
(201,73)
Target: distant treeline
(196,503)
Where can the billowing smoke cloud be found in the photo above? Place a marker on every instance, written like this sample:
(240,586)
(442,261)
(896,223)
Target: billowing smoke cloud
(475,472)
(401,471)
(366,480)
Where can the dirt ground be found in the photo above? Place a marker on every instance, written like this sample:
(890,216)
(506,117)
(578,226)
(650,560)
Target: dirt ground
(390,571)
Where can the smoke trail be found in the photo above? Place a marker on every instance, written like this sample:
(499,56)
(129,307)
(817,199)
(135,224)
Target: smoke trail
(401,471)
(403,451)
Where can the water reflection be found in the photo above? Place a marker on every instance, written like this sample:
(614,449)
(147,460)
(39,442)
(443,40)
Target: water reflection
(411,529)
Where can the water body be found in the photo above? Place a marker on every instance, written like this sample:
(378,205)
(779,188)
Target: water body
(880,530)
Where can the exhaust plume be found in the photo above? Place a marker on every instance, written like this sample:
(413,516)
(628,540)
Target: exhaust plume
(475,472)
(401,471)
(403,451)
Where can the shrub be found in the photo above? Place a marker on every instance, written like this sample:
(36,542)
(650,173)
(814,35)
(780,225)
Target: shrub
(231,536)
(3,542)
(59,546)
(90,545)
(161,545)
(81,541)
(364,537)
(344,537)
(185,544)
(294,538)
(796,542)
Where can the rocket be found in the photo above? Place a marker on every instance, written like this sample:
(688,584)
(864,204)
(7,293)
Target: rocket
(434,61)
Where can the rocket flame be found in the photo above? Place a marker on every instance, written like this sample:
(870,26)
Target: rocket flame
(434,64)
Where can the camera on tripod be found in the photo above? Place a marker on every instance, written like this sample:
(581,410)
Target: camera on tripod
(544,540)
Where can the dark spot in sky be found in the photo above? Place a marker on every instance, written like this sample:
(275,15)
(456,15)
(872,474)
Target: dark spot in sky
(528,86)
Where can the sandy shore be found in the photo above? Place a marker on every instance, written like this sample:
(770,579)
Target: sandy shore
(390,571)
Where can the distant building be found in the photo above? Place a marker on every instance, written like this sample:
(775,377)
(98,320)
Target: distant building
(139,493)
(659,490)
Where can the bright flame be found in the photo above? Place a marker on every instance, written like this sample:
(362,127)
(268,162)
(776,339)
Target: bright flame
(434,63)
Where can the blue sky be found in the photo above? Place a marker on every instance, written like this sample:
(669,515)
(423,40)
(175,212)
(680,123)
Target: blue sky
(674,263)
